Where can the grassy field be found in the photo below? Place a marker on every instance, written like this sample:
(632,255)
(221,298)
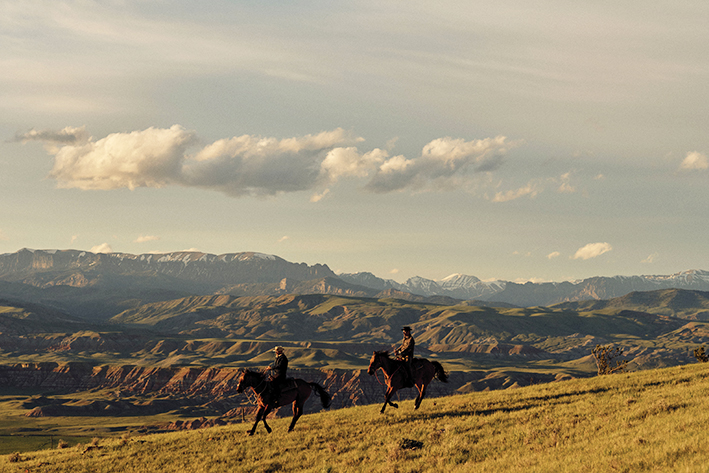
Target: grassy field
(652,420)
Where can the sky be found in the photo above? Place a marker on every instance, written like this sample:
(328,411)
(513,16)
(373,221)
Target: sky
(513,140)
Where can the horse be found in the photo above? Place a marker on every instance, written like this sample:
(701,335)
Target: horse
(423,372)
(293,390)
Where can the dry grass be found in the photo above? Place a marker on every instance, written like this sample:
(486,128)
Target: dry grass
(643,421)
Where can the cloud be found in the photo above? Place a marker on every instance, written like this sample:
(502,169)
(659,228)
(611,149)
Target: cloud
(394,271)
(319,196)
(283,238)
(68,135)
(565,186)
(444,163)
(592,250)
(262,166)
(148,158)
(531,189)
(2,235)
(553,254)
(651,258)
(694,161)
(102,248)
(342,162)
(144,238)
(251,165)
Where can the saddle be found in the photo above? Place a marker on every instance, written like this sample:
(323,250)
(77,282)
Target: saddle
(415,366)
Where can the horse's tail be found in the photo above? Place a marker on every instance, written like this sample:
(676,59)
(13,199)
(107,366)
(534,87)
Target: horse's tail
(324,396)
(440,372)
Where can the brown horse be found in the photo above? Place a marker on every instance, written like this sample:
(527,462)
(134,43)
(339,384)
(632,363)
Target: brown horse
(293,390)
(423,371)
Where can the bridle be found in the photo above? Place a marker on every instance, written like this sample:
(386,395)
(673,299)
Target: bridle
(387,377)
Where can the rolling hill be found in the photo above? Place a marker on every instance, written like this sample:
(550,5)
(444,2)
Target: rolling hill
(653,420)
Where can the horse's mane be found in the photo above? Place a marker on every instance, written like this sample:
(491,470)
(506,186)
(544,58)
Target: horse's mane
(252,372)
(382,352)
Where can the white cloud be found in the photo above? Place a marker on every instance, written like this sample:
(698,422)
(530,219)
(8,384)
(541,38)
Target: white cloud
(520,253)
(553,254)
(445,163)
(102,248)
(532,189)
(394,271)
(565,185)
(651,258)
(250,165)
(2,235)
(695,161)
(283,238)
(592,250)
(349,162)
(319,196)
(258,166)
(67,135)
(148,158)
(144,238)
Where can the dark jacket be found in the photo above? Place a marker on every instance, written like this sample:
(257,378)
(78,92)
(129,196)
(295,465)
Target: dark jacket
(279,368)
(406,350)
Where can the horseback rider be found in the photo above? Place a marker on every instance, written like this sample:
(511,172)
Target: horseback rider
(406,354)
(277,374)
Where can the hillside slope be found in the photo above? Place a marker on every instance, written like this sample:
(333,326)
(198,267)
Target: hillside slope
(647,421)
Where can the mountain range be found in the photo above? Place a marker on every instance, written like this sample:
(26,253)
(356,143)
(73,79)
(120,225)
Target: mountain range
(67,313)
(78,280)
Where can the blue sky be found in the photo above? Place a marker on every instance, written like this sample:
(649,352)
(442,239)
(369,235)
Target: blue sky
(512,140)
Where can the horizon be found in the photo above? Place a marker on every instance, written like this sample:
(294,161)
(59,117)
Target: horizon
(486,280)
(547,141)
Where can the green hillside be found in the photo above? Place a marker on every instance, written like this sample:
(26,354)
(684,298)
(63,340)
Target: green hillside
(652,420)
(461,335)
(684,304)
(328,331)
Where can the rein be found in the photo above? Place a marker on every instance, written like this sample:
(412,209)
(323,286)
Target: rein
(256,391)
(386,376)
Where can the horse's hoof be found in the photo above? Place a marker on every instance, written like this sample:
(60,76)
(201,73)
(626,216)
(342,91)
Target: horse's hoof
(249,433)
(395,406)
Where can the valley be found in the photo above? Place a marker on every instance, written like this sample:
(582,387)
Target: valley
(86,352)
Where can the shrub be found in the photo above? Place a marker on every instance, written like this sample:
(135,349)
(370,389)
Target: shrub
(700,355)
(14,457)
(605,355)
(62,444)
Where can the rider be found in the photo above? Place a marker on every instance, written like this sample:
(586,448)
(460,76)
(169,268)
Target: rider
(277,373)
(406,353)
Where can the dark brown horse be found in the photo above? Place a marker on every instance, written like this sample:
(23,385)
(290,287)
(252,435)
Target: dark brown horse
(293,390)
(423,371)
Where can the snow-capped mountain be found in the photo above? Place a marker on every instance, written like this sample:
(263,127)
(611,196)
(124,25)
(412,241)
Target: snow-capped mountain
(458,286)
(178,270)
(257,273)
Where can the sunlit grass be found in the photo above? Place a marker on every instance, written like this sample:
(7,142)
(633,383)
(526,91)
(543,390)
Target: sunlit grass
(645,421)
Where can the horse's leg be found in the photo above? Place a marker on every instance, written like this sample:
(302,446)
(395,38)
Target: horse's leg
(265,414)
(259,413)
(422,392)
(387,400)
(298,403)
(297,412)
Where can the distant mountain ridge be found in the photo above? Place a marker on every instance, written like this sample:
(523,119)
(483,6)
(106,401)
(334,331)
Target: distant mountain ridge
(252,273)
(44,268)
(533,294)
